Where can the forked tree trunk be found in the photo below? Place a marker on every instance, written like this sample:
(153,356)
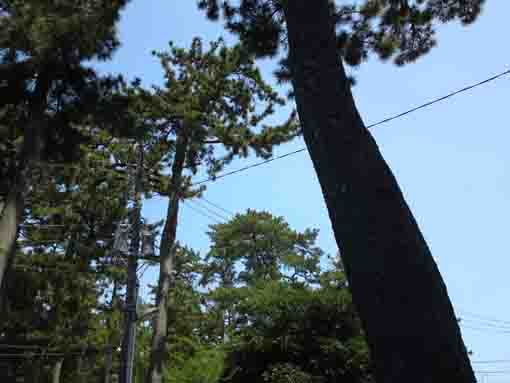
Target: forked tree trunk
(396,286)
(166,267)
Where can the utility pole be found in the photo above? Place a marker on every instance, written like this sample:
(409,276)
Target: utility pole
(128,341)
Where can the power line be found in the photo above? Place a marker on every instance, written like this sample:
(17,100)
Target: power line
(485,318)
(490,361)
(381,122)
(212,179)
(202,213)
(435,101)
(485,329)
(485,324)
(41,268)
(493,372)
(213,212)
(217,206)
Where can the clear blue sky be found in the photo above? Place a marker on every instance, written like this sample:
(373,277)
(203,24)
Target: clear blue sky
(451,160)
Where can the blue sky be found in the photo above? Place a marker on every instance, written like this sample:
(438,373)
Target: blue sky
(451,160)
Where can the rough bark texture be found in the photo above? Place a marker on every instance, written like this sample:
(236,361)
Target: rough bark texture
(397,288)
(160,322)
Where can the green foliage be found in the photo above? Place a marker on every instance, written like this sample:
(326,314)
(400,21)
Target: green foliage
(399,29)
(50,97)
(284,319)
(44,29)
(266,247)
(198,364)
(315,330)
(215,102)
(286,373)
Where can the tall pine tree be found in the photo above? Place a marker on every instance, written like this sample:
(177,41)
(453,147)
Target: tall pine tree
(396,286)
(211,110)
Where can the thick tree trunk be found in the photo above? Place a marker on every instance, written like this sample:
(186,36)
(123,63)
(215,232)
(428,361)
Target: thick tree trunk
(166,267)
(399,293)
(57,370)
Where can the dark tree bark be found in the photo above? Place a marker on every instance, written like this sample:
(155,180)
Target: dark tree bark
(396,286)
(166,254)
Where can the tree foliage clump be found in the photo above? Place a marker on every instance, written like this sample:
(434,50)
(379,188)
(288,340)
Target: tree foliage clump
(401,30)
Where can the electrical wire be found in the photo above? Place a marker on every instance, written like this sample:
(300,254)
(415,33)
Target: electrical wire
(488,325)
(484,329)
(381,122)
(485,318)
(202,213)
(41,268)
(493,372)
(213,212)
(212,179)
(217,206)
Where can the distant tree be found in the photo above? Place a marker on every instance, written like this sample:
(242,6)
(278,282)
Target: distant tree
(210,110)
(285,319)
(396,285)
(267,248)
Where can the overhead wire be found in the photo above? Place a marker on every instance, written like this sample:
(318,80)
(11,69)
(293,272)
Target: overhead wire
(221,216)
(485,318)
(381,122)
(202,213)
(217,206)
(493,372)
(484,329)
(488,325)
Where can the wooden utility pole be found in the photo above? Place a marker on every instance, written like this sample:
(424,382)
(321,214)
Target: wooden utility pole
(128,342)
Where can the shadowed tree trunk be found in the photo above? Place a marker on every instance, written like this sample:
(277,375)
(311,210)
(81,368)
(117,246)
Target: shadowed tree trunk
(9,220)
(396,286)
(160,322)
(12,212)
(108,363)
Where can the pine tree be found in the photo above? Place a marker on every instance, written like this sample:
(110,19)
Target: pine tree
(46,90)
(66,262)
(211,110)
(396,285)
(285,319)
